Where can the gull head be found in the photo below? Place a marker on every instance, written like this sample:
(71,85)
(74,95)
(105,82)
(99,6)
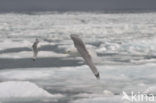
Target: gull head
(72,52)
(37,41)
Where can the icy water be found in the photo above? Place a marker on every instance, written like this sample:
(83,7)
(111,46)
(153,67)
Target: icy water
(125,44)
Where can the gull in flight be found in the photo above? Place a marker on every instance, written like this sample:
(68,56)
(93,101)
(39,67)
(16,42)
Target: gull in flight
(81,48)
(35,49)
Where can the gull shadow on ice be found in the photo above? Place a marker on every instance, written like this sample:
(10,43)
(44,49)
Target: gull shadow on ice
(40,62)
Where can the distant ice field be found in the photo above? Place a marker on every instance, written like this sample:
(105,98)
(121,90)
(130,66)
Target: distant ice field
(125,44)
(125,38)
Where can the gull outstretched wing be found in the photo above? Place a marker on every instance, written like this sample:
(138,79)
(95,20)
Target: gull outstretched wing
(35,49)
(78,43)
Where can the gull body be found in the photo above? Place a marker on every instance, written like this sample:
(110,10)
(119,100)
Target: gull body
(72,52)
(81,48)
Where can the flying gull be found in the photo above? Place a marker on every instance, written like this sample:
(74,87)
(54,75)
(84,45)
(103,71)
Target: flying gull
(35,49)
(81,48)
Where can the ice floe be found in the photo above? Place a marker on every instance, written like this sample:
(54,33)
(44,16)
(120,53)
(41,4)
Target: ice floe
(22,89)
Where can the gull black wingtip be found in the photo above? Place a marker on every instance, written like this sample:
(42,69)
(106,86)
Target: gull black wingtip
(74,35)
(97,76)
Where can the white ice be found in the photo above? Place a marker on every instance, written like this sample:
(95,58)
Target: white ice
(129,38)
(22,89)
(29,54)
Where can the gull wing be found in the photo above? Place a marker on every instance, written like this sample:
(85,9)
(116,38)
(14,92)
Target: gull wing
(78,43)
(35,51)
